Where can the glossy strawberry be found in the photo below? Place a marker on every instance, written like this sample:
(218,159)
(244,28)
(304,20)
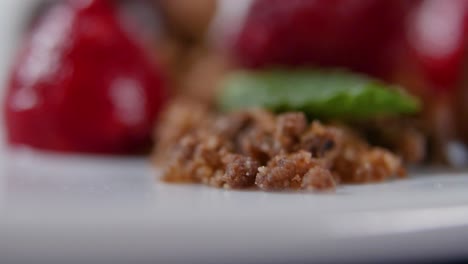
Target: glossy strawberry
(82,84)
(434,67)
(438,36)
(357,34)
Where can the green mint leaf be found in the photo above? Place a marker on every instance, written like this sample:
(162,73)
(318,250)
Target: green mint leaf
(318,93)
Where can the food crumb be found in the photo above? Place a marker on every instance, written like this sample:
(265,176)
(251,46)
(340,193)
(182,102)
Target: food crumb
(257,148)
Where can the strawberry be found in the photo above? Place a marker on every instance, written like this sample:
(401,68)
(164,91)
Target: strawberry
(81,83)
(357,34)
(438,37)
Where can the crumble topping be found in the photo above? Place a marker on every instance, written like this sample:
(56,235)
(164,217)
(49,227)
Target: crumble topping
(257,148)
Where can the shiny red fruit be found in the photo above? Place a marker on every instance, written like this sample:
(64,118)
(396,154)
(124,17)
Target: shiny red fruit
(438,36)
(82,84)
(357,34)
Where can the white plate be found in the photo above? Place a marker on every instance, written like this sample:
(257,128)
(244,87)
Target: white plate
(98,210)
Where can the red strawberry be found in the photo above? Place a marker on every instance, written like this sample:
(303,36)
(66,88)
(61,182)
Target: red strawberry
(438,35)
(81,83)
(356,34)
(433,67)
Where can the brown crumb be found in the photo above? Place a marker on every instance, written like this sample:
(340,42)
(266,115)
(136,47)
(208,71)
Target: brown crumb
(318,178)
(362,165)
(180,118)
(256,148)
(288,172)
(240,171)
(400,135)
(288,130)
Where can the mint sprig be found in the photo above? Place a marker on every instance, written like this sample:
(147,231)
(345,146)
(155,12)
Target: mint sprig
(318,93)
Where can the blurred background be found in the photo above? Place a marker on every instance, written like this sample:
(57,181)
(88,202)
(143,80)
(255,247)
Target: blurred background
(418,44)
(182,37)
(12,19)
(15,16)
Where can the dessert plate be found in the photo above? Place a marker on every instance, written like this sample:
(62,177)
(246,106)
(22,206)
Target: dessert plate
(112,210)
(75,209)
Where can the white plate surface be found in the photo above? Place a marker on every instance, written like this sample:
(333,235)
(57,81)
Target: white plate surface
(99,210)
